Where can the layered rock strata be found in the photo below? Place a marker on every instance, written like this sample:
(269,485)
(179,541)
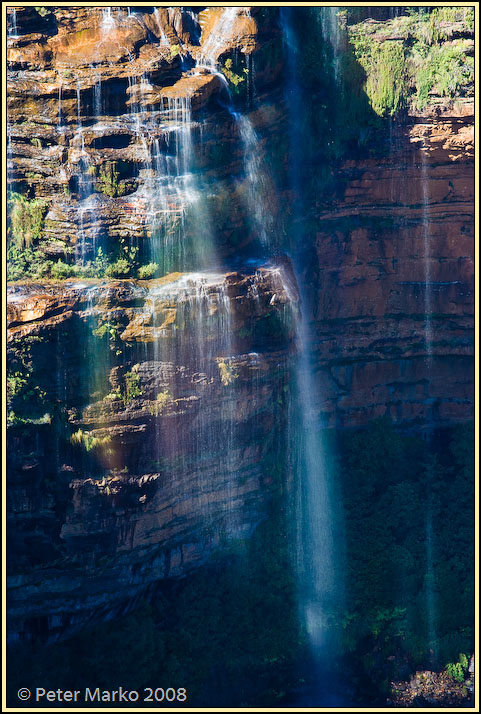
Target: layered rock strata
(395,243)
(161,437)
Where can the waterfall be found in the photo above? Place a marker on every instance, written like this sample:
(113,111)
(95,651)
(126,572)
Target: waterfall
(331,34)
(85,184)
(163,37)
(428,344)
(173,194)
(108,20)
(256,200)
(222,29)
(13,29)
(318,553)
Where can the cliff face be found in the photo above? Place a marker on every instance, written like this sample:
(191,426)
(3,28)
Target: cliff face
(161,425)
(397,242)
(146,415)
(96,99)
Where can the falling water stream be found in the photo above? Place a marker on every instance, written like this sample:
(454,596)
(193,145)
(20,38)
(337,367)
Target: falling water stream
(428,346)
(190,317)
(318,562)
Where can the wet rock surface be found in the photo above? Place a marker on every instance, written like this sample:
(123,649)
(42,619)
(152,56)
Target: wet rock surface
(146,464)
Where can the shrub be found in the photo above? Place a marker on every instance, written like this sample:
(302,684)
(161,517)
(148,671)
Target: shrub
(121,268)
(88,441)
(132,384)
(232,77)
(457,670)
(447,70)
(61,270)
(147,271)
(156,407)
(26,218)
(227,372)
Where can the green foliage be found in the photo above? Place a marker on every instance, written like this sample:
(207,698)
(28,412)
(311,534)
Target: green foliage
(25,397)
(174,51)
(121,268)
(107,328)
(233,78)
(145,272)
(390,481)
(457,670)
(61,270)
(157,407)
(90,442)
(108,180)
(227,371)
(384,64)
(25,219)
(132,384)
(420,62)
(445,69)
(32,263)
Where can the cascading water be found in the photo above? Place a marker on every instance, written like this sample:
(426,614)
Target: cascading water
(172,192)
(257,204)
(217,37)
(204,340)
(328,20)
(318,553)
(163,39)
(13,30)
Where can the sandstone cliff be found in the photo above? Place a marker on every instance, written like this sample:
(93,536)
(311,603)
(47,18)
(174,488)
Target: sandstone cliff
(145,415)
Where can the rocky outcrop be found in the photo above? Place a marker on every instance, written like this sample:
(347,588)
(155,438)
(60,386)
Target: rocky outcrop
(433,689)
(160,439)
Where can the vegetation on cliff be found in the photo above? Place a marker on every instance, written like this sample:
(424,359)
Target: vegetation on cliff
(389,481)
(413,57)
